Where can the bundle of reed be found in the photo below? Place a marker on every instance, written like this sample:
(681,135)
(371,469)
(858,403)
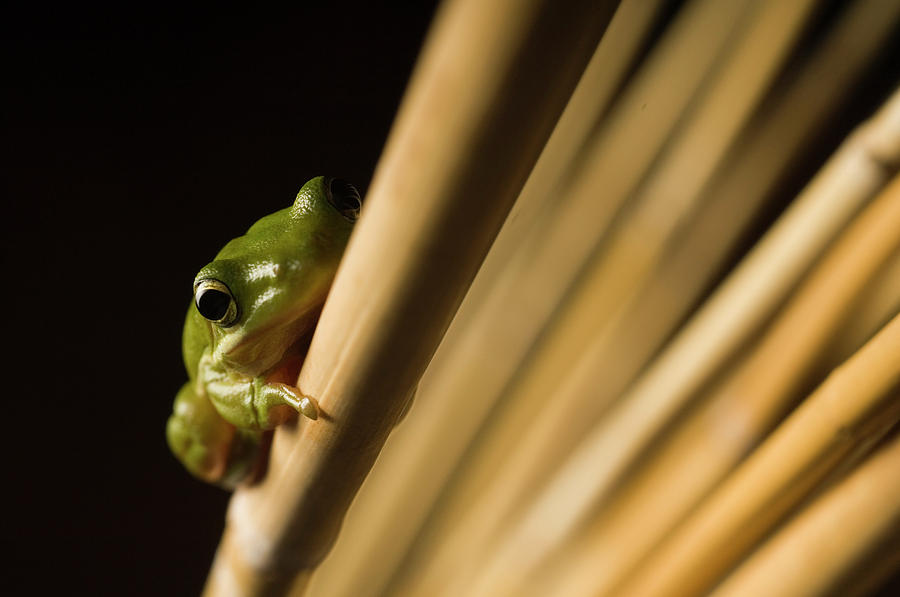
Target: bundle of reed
(618,405)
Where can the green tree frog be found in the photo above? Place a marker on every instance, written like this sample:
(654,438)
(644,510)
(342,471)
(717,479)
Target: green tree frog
(248,327)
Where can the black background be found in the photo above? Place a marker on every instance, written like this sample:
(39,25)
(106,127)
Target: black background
(137,141)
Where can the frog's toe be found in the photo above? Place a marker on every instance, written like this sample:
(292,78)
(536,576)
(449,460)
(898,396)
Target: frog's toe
(309,407)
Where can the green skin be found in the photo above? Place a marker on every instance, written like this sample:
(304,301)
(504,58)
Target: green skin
(242,375)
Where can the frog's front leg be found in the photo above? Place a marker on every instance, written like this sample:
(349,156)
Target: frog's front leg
(208,446)
(261,402)
(268,395)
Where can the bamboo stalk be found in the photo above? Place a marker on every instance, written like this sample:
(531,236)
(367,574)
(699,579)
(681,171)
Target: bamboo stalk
(826,542)
(855,405)
(879,304)
(740,410)
(749,295)
(457,157)
(628,257)
(432,567)
(420,455)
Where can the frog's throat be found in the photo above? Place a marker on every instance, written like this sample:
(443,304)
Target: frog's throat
(245,358)
(258,352)
(251,359)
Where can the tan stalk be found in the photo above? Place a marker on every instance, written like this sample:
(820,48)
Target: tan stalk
(724,322)
(876,307)
(559,388)
(492,323)
(574,229)
(546,265)
(740,410)
(491,83)
(855,406)
(827,542)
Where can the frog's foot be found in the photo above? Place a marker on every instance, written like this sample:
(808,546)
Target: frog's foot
(208,446)
(305,405)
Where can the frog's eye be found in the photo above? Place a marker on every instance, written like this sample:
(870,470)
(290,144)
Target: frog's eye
(215,302)
(344,197)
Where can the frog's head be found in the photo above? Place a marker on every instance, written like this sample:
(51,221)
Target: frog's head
(264,290)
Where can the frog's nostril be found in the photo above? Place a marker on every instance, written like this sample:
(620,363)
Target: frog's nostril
(344,197)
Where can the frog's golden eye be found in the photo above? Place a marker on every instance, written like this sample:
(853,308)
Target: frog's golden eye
(344,197)
(215,302)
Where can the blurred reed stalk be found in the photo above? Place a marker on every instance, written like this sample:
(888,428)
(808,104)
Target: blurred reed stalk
(737,412)
(548,264)
(725,321)
(854,525)
(873,310)
(581,345)
(491,84)
(853,409)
